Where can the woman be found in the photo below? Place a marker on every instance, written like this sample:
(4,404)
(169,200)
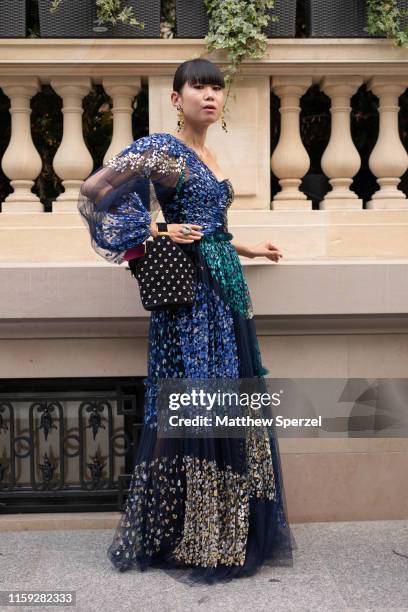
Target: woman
(215,507)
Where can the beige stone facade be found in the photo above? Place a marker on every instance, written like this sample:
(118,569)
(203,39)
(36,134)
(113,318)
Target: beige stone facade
(335,306)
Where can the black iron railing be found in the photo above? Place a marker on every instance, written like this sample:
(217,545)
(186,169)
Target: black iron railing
(67,445)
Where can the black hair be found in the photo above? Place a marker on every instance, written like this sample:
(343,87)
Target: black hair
(198,70)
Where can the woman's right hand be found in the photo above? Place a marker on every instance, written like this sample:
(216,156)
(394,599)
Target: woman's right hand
(177,235)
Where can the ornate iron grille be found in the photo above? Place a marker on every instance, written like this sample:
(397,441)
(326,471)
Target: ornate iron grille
(67,445)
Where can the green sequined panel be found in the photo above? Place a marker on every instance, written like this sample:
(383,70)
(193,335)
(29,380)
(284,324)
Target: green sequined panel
(225,266)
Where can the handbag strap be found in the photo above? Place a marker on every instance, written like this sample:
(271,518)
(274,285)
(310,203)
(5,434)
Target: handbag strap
(162,227)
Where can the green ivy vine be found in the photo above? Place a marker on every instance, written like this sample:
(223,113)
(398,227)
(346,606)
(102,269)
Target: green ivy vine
(384,19)
(236,26)
(108,11)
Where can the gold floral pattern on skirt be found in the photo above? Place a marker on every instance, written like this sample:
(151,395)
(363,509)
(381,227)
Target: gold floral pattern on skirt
(261,477)
(216,515)
(194,502)
(217,505)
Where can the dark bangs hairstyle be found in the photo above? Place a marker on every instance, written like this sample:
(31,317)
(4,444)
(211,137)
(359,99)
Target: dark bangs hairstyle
(197,71)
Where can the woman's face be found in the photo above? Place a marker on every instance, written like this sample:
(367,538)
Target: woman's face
(201,104)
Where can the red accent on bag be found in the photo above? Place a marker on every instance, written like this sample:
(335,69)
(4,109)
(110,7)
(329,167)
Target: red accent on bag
(136,251)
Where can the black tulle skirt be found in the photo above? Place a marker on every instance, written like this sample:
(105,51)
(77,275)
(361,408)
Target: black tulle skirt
(205,509)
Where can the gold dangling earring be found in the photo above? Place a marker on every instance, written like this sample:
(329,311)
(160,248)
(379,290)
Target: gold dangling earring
(180,118)
(224,125)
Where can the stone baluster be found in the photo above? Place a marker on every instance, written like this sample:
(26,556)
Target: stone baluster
(122,91)
(341,160)
(21,162)
(290,160)
(72,162)
(388,159)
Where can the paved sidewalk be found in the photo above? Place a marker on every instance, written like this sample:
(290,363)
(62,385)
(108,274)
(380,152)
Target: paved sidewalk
(337,567)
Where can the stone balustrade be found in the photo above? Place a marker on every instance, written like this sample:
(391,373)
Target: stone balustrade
(289,68)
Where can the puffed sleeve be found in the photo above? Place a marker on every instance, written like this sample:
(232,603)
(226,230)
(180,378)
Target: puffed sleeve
(119,201)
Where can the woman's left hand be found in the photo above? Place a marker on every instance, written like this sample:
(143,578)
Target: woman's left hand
(266,249)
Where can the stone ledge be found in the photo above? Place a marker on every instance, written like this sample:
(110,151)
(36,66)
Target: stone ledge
(58,57)
(358,286)
(323,234)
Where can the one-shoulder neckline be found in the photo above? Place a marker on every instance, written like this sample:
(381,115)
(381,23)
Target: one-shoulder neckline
(225,180)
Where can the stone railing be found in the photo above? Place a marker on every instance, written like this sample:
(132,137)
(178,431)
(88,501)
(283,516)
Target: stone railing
(288,69)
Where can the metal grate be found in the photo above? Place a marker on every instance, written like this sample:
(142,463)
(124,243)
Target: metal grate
(68,449)
(341,19)
(78,19)
(12,18)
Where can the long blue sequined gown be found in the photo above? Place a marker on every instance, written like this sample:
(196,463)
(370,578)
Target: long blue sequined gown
(206,505)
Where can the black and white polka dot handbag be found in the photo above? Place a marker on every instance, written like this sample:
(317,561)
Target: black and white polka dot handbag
(166,275)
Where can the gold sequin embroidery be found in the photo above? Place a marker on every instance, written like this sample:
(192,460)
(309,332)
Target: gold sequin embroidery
(261,476)
(153,163)
(192,502)
(216,515)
